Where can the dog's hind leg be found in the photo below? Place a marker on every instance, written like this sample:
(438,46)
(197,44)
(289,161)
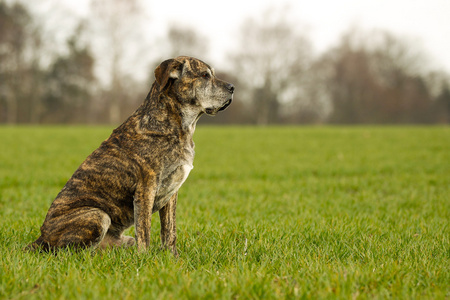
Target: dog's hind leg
(85,229)
(81,228)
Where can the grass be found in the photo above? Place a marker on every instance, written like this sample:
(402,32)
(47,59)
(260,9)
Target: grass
(283,212)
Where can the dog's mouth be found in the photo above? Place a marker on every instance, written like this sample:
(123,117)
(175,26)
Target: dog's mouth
(226,105)
(213,111)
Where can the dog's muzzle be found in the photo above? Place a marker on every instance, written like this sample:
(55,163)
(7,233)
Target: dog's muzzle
(230,89)
(213,111)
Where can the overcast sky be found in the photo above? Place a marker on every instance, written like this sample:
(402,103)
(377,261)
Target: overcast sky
(427,22)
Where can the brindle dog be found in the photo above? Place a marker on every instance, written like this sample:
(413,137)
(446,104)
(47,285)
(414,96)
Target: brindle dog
(138,170)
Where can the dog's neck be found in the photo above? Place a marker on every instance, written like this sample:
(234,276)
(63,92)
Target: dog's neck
(189,119)
(154,116)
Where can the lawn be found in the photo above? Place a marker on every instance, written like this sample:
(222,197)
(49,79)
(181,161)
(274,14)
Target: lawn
(276,212)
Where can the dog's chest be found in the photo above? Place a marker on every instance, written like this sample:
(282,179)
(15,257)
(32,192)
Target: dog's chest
(172,178)
(175,179)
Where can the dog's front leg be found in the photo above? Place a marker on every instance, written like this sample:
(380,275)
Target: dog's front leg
(168,226)
(144,199)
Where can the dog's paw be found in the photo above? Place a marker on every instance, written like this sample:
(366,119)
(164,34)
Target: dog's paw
(175,253)
(173,250)
(128,241)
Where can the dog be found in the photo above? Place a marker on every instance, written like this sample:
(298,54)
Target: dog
(139,169)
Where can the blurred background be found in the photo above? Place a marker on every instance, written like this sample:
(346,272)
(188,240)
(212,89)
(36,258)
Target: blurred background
(292,62)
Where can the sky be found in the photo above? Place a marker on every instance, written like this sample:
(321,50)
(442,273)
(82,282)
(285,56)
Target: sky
(426,22)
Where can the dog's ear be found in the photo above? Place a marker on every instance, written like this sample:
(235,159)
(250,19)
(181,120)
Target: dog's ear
(168,69)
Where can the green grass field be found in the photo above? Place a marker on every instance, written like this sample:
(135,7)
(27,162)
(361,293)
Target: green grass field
(284,212)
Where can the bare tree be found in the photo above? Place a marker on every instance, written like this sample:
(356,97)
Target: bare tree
(70,83)
(186,41)
(117,20)
(20,70)
(442,105)
(13,21)
(438,83)
(375,80)
(398,66)
(272,60)
(346,70)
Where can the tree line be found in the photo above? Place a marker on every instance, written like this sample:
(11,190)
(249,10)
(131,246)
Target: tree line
(367,77)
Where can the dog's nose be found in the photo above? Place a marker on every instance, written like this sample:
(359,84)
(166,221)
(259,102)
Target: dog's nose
(230,87)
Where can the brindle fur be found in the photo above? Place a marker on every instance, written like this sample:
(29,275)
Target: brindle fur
(138,170)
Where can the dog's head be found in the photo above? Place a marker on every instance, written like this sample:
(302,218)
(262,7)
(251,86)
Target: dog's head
(192,82)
